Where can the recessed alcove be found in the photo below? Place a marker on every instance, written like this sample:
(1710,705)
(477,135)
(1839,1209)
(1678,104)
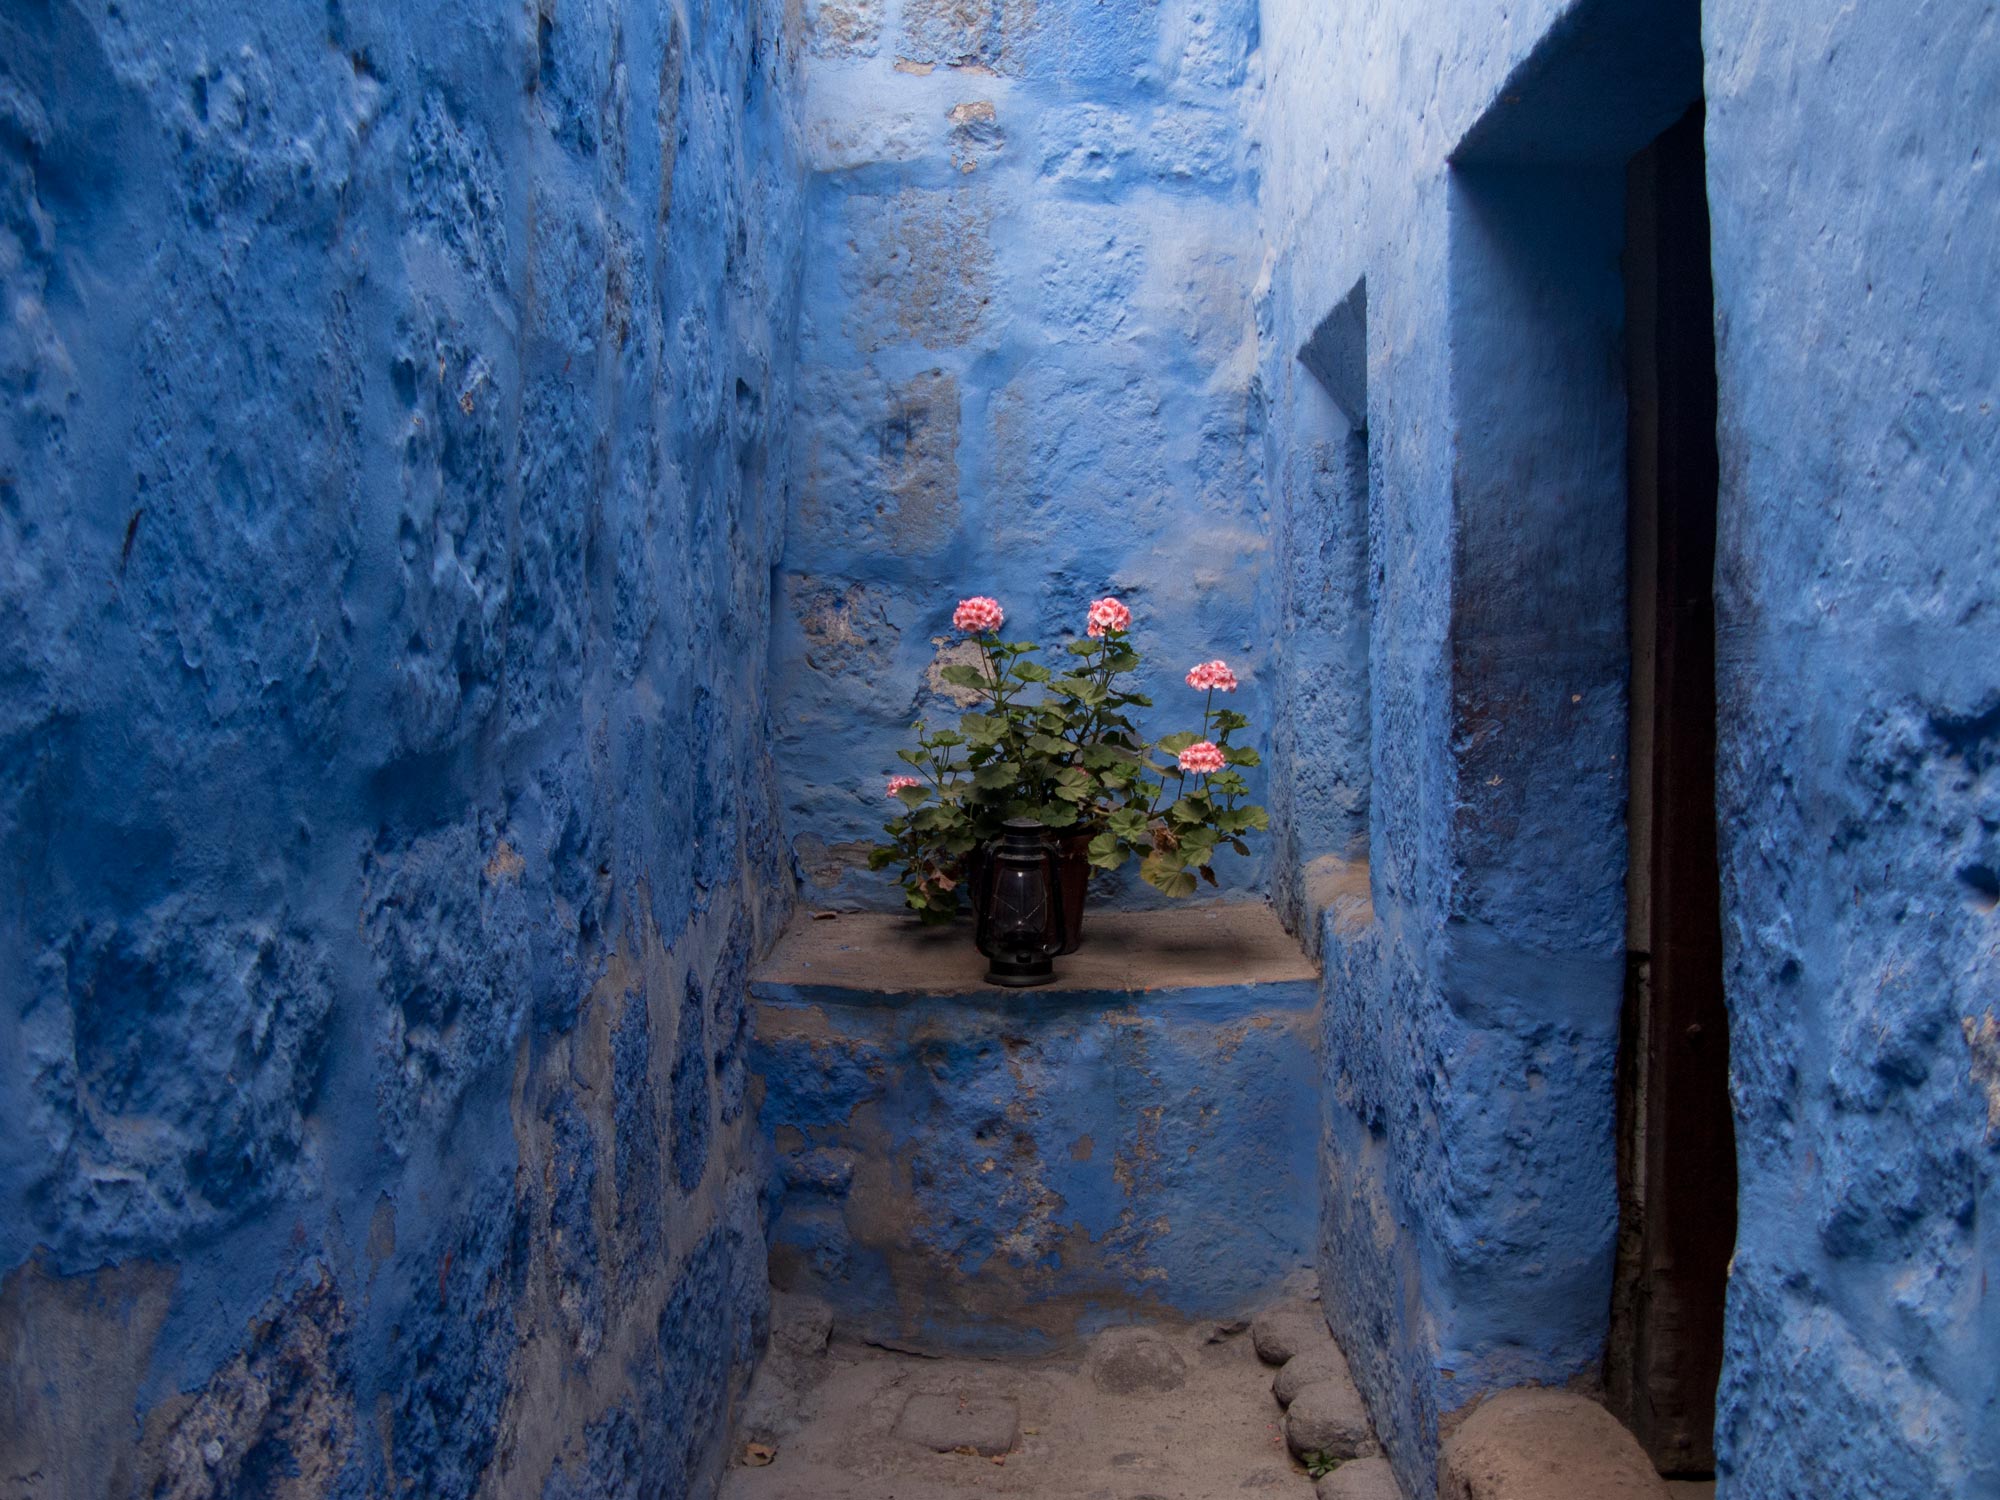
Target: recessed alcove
(972,1169)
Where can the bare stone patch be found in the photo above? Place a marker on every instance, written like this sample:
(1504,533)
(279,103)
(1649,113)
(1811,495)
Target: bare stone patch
(781,1398)
(1329,1418)
(952,1422)
(920,267)
(1360,1479)
(1127,1361)
(954,653)
(1982,1038)
(826,865)
(981,35)
(843,627)
(1321,1362)
(1284,1332)
(976,136)
(846,28)
(1541,1445)
(843,140)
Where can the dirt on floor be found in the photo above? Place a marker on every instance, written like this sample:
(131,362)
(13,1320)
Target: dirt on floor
(1153,1412)
(1146,1414)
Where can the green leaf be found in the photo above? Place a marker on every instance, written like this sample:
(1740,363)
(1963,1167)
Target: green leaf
(1083,648)
(935,907)
(883,855)
(999,774)
(1107,853)
(1189,811)
(1243,756)
(1056,815)
(1173,744)
(965,677)
(1048,744)
(1032,671)
(1082,689)
(1198,846)
(1127,822)
(983,729)
(944,739)
(913,796)
(1227,719)
(1165,873)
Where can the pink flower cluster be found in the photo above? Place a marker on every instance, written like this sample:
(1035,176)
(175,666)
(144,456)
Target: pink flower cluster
(898,784)
(1212,675)
(978,615)
(1108,614)
(1202,759)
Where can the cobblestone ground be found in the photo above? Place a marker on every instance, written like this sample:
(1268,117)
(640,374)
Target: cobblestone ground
(1146,1413)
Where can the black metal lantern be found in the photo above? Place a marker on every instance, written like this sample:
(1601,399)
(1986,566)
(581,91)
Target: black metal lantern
(1021,927)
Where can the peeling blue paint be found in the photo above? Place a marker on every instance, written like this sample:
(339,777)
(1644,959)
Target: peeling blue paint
(977,1175)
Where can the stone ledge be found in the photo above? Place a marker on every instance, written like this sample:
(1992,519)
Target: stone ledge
(1225,946)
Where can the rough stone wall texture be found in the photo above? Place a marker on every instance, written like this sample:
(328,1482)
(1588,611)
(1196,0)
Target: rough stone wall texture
(393,440)
(1320,775)
(1470,1016)
(974,1175)
(1859,581)
(1027,370)
(1449,1222)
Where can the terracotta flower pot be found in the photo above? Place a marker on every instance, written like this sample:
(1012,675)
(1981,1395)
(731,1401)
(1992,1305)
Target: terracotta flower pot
(1073,881)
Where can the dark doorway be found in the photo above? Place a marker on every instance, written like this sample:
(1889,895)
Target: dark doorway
(1677,1156)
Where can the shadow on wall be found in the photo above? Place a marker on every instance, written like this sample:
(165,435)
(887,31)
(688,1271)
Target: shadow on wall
(1328,581)
(1471,1029)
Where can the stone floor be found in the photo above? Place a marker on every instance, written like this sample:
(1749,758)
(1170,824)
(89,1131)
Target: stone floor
(1146,1414)
(1153,1412)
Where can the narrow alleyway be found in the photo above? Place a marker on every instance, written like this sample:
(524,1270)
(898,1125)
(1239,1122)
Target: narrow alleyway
(1434,561)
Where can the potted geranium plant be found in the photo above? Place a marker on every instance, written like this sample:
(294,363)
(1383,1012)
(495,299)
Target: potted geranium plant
(1061,749)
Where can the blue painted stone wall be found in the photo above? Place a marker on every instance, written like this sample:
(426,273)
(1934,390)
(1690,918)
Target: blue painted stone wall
(1859,577)
(1321,778)
(1028,370)
(394,436)
(1469,1027)
(1448,1219)
(970,1174)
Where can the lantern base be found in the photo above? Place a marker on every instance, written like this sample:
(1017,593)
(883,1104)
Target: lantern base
(1021,974)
